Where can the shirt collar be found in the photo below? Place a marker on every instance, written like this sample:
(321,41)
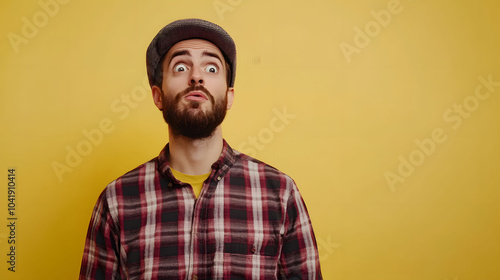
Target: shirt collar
(226,159)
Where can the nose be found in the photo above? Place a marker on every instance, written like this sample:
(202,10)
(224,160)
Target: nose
(196,77)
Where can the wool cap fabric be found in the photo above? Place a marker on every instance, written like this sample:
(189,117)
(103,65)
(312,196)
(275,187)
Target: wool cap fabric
(185,29)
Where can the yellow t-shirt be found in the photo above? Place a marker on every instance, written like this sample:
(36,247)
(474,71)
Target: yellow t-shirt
(196,181)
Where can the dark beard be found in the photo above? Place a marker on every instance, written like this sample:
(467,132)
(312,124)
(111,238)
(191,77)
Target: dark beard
(190,123)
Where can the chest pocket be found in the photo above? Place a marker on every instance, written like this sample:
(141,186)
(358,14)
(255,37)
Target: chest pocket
(251,259)
(269,248)
(243,238)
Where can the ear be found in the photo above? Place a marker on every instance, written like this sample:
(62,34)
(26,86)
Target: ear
(230,98)
(157,97)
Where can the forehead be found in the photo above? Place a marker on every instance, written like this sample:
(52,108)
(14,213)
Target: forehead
(194,46)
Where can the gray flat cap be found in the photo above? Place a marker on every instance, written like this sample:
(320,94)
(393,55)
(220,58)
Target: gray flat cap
(185,29)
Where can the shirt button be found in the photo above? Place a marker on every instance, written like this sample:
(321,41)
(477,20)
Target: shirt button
(195,277)
(218,178)
(169,184)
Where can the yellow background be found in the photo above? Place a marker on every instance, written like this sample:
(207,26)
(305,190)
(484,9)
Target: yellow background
(351,118)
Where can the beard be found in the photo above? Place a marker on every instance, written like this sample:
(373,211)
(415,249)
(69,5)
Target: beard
(191,121)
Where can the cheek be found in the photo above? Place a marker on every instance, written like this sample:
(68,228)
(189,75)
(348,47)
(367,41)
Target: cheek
(171,79)
(173,86)
(217,85)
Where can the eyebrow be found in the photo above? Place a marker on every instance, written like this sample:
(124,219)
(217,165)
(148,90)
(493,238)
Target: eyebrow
(186,52)
(179,53)
(212,54)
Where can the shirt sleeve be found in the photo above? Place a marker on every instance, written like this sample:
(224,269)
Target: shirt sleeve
(299,253)
(100,257)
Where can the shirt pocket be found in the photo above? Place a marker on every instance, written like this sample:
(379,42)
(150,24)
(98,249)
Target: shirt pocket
(268,249)
(250,259)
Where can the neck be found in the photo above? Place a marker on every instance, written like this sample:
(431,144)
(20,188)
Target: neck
(194,157)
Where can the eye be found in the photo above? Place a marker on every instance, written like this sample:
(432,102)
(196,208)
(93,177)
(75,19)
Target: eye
(211,68)
(180,68)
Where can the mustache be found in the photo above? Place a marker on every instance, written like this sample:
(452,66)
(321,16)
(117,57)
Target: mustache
(195,88)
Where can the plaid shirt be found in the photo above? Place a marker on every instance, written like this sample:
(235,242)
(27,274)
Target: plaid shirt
(249,222)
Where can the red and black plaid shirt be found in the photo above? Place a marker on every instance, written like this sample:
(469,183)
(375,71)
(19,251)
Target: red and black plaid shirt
(249,222)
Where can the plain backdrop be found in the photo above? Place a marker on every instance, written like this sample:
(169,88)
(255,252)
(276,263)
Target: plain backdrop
(385,112)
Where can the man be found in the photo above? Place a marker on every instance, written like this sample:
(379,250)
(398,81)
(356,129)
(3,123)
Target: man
(200,210)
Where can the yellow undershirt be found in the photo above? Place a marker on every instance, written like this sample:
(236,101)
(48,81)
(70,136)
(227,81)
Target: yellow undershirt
(196,181)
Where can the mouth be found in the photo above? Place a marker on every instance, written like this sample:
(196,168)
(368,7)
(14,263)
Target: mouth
(196,96)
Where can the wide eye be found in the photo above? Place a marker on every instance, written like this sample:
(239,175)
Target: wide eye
(211,68)
(180,67)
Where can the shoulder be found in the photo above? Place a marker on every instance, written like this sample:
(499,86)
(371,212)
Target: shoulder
(272,175)
(126,189)
(129,183)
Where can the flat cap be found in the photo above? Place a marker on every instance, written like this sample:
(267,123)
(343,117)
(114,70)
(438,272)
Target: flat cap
(185,29)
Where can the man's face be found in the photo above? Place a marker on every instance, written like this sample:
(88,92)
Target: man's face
(194,95)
